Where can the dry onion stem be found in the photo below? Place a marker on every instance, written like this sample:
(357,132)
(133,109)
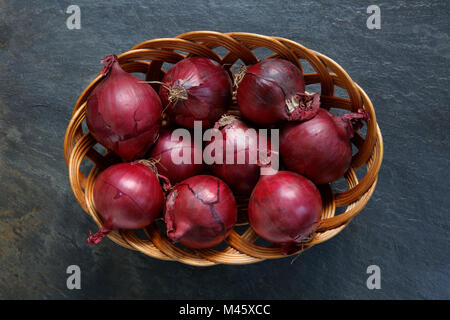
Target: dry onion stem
(302,245)
(238,78)
(225,120)
(151,163)
(176,93)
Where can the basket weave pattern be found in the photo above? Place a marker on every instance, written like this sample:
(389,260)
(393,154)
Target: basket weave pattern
(148,58)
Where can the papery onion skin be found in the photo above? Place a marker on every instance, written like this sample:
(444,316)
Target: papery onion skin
(273,90)
(161,152)
(204,92)
(200,212)
(123,114)
(320,148)
(241,178)
(127,196)
(284,208)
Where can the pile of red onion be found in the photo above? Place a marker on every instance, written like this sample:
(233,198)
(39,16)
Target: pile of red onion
(197,201)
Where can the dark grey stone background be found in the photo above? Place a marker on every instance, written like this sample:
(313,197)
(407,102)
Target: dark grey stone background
(404,229)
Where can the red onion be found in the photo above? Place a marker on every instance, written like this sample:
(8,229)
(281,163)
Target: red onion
(163,151)
(320,148)
(243,142)
(123,114)
(200,212)
(284,208)
(196,89)
(274,90)
(127,196)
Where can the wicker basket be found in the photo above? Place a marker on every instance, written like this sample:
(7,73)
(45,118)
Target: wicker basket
(148,58)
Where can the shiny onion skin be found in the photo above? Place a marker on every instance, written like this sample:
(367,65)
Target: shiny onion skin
(320,148)
(127,196)
(196,88)
(161,152)
(284,208)
(273,90)
(200,212)
(241,178)
(122,114)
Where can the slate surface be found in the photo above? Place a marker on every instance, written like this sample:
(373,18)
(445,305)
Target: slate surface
(404,229)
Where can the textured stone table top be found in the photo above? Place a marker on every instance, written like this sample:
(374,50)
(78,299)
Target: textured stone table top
(404,229)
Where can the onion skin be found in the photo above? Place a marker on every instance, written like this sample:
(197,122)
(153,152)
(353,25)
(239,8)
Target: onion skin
(162,151)
(273,90)
(127,196)
(241,178)
(200,212)
(284,208)
(206,92)
(123,114)
(320,148)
